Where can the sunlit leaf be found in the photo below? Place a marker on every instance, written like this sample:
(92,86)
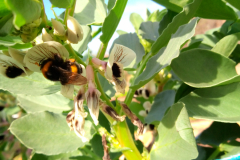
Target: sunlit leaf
(176,134)
(164,57)
(54,103)
(34,84)
(149,30)
(206,68)
(48,133)
(61,4)
(111,21)
(157,15)
(25,11)
(136,21)
(216,103)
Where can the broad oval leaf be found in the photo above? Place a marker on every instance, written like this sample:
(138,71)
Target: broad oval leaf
(63,156)
(48,133)
(227,44)
(164,57)
(175,134)
(54,103)
(24,11)
(216,103)
(35,84)
(111,21)
(90,12)
(131,41)
(61,4)
(136,21)
(162,102)
(203,68)
(214,9)
(149,30)
(182,18)
(10,41)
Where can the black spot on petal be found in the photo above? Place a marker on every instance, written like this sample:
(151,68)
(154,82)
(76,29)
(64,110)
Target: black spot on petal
(151,126)
(147,93)
(13,72)
(116,70)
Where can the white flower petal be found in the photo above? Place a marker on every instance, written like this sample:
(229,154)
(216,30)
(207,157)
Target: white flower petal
(142,113)
(45,36)
(83,70)
(17,55)
(147,106)
(43,51)
(67,90)
(75,31)
(9,61)
(150,86)
(122,54)
(78,127)
(58,28)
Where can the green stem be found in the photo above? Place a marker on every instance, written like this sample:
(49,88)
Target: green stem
(65,16)
(95,33)
(43,15)
(71,10)
(214,154)
(102,50)
(131,91)
(91,153)
(71,50)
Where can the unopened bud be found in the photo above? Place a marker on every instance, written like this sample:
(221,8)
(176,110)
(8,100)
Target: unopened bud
(58,28)
(45,36)
(74,30)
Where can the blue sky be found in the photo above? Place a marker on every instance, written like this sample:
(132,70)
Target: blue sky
(137,6)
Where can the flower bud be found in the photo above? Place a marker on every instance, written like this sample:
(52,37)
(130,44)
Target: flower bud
(74,30)
(59,29)
(45,36)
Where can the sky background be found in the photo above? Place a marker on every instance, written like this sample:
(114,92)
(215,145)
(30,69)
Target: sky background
(137,6)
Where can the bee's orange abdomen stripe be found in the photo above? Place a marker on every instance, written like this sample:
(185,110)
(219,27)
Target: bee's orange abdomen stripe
(45,68)
(74,68)
(72,60)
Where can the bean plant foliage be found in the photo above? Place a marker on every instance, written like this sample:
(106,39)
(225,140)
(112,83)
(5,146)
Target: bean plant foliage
(59,100)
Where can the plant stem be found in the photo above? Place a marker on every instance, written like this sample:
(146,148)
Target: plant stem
(71,50)
(71,10)
(95,33)
(65,16)
(131,91)
(44,17)
(214,154)
(102,50)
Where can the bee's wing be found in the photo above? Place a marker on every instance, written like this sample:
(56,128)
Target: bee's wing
(68,77)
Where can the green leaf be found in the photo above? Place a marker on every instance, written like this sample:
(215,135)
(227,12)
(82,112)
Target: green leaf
(214,9)
(10,41)
(182,18)
(218,133)
(3,9)
(53,103)
(136,21)
(203,68)
(34,84)
(232,148)
(17,46)
(135,108)
(24,11)
(120,32)
(63,156)
(131,41)
(61,4)
(108,88)
(227,44)
(167,18)
(216,103)
(157,15)
(176,134)
(164,57)
(48,133)
(182,91)
(206,39)
(234,3)
(96,143)
(162,102)
(83,44)
(111,21)
(90,12)
(111,4)
(149,30)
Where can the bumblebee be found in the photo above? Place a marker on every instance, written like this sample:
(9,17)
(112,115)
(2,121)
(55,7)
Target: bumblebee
(67,72)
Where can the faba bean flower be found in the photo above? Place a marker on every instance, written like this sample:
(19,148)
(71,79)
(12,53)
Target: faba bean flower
(92,95)
(120,57)
(12,66)
(51,59)
(76,118)
(147,106)
(148,90)
(74,30)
